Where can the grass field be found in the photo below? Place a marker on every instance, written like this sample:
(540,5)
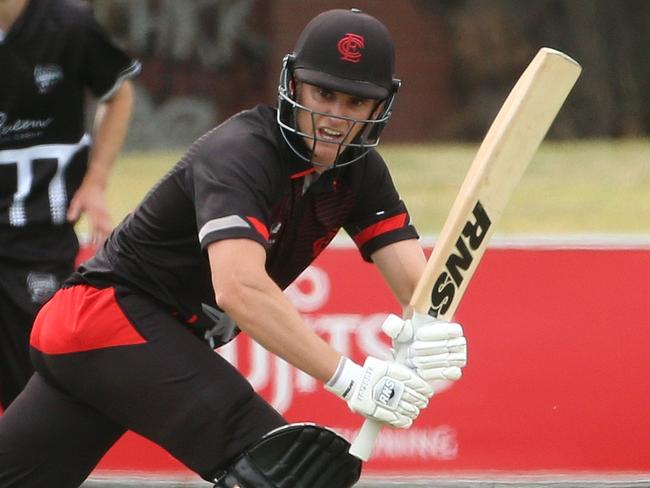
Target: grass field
(584,187)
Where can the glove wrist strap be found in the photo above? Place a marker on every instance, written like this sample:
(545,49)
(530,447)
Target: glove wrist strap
(345,378)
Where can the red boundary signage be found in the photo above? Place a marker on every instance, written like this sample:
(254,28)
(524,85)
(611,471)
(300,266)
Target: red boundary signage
(557,380)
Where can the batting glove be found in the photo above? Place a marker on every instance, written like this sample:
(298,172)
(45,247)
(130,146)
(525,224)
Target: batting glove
(436,349)
(381,390)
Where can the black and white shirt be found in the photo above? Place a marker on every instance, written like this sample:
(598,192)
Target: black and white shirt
(241,180)
(53,53)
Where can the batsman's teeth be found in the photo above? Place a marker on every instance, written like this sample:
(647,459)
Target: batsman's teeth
(329,134)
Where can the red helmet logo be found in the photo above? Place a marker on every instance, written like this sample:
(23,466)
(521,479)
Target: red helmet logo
(349,46)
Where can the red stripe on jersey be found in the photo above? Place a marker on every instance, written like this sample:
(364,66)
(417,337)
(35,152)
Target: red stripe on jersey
(259,227)
(381,227)
(82,318)
(302,173)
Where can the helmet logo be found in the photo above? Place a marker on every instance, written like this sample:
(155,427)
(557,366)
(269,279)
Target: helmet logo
(349,47)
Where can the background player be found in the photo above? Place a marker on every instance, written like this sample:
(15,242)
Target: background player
(206,254)
(51,52)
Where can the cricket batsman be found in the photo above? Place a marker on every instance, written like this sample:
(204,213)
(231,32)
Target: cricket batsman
(128,342)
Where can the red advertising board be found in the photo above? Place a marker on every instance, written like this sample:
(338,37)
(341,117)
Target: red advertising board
(557,379)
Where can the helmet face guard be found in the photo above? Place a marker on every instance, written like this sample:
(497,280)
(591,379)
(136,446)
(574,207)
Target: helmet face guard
(287,117)
(344,51)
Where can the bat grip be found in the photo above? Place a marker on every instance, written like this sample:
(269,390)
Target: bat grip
(362,446)
(365,441)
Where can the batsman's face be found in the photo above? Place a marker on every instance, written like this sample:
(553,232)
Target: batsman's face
(327,132)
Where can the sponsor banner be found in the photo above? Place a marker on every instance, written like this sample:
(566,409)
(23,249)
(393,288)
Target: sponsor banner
(557,378)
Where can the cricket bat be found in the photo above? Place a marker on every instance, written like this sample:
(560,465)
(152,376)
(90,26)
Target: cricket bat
(508,147)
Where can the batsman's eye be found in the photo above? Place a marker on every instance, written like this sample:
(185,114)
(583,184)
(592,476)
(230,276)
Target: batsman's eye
(325,94)
(359,102)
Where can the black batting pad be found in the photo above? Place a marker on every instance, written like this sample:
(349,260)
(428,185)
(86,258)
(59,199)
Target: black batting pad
(295,456)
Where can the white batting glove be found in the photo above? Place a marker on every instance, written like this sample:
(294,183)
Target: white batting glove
(436,349)
(381,390)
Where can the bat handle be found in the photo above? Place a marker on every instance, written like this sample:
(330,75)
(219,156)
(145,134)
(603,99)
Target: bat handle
(362,446)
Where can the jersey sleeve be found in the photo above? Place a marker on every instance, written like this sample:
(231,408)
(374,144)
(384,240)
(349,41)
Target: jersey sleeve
(105,65)
(380,217)
(233,188)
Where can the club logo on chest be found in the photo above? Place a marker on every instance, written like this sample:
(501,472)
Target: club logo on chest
(47,76)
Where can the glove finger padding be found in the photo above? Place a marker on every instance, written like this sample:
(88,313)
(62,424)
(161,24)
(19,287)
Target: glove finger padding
(397,329)
(425,348)
(452,373)
(381,390)
(390,392)
(439,360)
(415,399)
(436,330)
(436,349)
(435,361)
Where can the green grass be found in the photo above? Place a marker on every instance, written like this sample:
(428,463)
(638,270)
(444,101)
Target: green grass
(134,174)
(576,187)
(570,187)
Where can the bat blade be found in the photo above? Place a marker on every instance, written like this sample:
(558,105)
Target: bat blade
(507,149)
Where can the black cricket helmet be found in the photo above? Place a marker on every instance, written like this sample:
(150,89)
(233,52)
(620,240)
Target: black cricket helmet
(346,51)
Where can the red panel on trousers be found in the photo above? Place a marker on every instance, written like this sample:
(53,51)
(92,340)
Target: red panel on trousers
(82,318)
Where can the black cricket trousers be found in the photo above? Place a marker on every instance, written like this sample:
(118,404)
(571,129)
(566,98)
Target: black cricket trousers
(110,360)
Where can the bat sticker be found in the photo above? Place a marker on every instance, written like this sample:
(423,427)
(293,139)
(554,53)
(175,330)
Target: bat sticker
(444,288)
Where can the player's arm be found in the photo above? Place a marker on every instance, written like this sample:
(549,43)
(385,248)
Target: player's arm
(110,126)
(401,264)
(251,298)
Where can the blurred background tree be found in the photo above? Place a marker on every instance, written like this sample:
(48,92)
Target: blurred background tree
(492,41)
(205,60)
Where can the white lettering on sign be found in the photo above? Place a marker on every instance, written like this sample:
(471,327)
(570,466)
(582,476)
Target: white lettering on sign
(434,443)
(310,291)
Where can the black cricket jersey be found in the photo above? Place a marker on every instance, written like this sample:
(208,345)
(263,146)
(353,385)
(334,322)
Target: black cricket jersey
(54,52)
(241,180)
